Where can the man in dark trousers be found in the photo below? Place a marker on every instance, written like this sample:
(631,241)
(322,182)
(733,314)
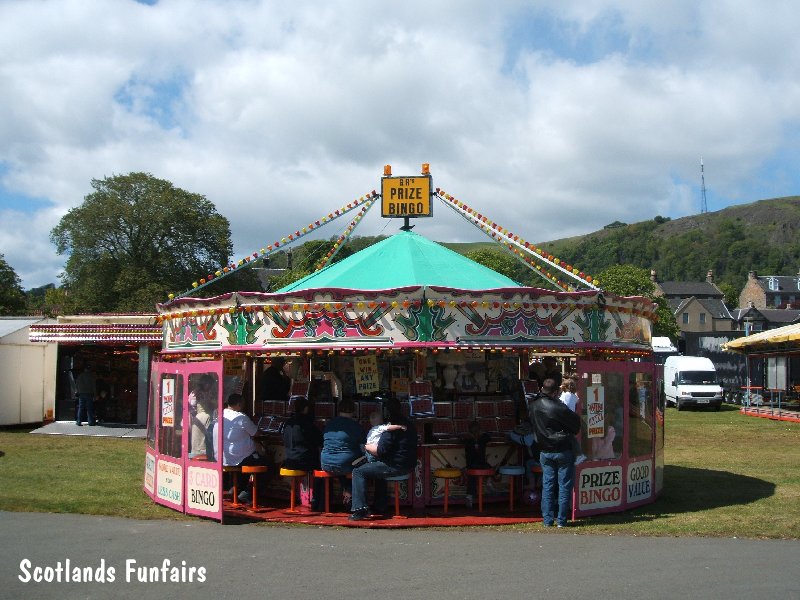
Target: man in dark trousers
(555,425)
(395,453)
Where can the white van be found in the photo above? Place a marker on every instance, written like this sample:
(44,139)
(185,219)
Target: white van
(691,381)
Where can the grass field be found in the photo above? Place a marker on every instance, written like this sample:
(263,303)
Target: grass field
(726,475)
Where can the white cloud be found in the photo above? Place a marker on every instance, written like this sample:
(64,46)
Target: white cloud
(280,114)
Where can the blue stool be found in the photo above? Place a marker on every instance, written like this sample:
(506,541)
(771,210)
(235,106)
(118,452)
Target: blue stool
(397,479)
(512,471)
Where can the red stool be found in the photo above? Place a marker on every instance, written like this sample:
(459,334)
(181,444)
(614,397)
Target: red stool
(294,474)
(397,479)
(447,474)
(254,471)
(327,477)
(536,471)
(512,471)
(235,469)
(480,474)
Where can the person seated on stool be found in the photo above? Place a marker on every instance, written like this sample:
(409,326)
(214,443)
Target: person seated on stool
(396,454)
(238,447)
(302,441)
(475,443)
(341,445)
(375,432)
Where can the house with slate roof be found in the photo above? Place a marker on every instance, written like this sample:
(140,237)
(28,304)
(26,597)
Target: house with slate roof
(698,306)
(752,319)
(771,291)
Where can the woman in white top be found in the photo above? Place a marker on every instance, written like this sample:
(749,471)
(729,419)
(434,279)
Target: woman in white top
(568,395)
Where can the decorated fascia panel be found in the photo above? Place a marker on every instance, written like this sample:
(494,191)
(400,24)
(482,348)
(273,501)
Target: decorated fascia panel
(404,317)
(537,317)
(310,319)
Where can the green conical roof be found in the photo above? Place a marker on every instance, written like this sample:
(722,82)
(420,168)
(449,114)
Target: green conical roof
(405,259)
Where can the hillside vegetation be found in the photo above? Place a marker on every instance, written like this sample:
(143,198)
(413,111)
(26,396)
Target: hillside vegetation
(763,236)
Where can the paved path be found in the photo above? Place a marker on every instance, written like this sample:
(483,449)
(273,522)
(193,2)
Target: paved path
(276,562)
(104,430)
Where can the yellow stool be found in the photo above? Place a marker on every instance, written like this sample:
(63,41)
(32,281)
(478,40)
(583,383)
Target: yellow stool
(235,469)
(511,471)
(254,471)
(294,474)
(447,474)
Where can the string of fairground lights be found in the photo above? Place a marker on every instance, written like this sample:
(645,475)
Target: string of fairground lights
(509,249)
(286,240)
(619,353)
(337,245)
(484,224)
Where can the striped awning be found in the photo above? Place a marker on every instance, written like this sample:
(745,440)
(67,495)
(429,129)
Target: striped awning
(93,333)
(766,341)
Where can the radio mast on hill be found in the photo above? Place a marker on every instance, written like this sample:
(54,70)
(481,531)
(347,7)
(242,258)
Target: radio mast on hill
(703,204)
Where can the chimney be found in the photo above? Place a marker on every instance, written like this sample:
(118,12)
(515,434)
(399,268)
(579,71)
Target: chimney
(752,275)
(710,276)
(750,304)
(653,275)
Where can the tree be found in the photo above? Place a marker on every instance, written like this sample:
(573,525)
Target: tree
(731,294)
(627,280)
(135,239)
(12,298)
(305,261)
(497,261)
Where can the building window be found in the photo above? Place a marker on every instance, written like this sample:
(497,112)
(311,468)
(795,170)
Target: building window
(777,300)
(702,318)
(685,318)
(772,283)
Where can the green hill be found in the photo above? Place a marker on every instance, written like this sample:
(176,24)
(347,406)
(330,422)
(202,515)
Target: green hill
(763,236)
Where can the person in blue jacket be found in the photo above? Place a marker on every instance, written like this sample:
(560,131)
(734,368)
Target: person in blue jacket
(342,441)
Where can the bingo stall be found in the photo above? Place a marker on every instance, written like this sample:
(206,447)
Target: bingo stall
(455,341)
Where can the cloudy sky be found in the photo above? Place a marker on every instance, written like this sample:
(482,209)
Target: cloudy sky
(552,118)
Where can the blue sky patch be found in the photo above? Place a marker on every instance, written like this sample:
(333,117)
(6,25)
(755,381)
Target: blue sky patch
(543,31)
(160,100)
(21,202)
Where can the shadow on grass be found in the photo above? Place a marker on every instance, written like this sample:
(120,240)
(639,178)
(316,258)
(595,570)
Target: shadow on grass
(691,490)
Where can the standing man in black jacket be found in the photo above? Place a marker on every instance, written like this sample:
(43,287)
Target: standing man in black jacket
(555,424)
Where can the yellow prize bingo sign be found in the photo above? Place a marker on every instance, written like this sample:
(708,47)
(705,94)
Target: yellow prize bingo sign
(406,196)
